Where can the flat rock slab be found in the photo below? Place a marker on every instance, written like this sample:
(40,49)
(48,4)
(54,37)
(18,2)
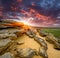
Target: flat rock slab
(6,35)
(26,53)
(4,43)
(7,55)
(9,31)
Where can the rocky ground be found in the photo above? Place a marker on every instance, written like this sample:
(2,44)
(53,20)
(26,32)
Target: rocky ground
(16,42)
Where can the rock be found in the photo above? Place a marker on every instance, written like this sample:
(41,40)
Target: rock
(26,53)
(14,31)
(7,55)
(20,43)
(9,31)
(5,27)
(42,52)
(59,41)
(57,46)
(4,31)
(30,33)
(6,21)
(42,33)
(53,40)
(7,35)
(20,32)
(4,43)
(41,42)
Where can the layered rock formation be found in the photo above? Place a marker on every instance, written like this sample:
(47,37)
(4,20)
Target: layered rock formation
(9,41)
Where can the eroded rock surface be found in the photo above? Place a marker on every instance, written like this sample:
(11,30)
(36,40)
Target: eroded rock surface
(42,33)
(7,55)
(26,53)
(53,40)
(4,43)
(7,33)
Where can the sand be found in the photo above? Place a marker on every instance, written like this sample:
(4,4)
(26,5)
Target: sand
(30,43)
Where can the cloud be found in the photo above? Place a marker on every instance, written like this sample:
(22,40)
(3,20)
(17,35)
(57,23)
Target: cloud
(37,12)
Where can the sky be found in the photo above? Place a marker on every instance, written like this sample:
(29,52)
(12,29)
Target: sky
(39,13)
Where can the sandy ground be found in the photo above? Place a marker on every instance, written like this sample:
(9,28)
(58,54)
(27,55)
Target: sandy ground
(30,43)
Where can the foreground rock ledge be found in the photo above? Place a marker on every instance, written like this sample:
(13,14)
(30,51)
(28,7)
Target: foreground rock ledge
(7,33)
(7,55)
(4,43)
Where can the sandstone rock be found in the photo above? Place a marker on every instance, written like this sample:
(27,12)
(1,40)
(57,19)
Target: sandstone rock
(19,32)
(30,33)
(59,41)
(7,21)
(20,43)
(42,52)
(41,42)
(7,35)
(26,53)
(42,33)
(4,43)
(53,40)
(9,31)
(57,46)
(5,27)
(7,55)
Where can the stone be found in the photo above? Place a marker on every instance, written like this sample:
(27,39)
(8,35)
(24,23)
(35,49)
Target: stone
(9,31)
(42,52)
(7,35)
(20,43)
(53,40)
(30,33)
(42,33)
(41,42)
(7,55)
(19,32)
(4,43)
(59,41)
(26,53)
(57,46)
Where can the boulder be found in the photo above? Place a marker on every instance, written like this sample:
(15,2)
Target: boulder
(42,52)
(30,33)
(53,40)
(26,53)
(19,32)
(57,46)
(7,55)
(41,42)
(9,31)
(42,33)
(4,43)
(7,35)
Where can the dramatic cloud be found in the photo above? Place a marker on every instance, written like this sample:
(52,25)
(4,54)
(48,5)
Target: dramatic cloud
(39,13)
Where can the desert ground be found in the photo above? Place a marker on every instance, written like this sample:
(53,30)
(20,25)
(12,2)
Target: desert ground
(30,43)
(14,39)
